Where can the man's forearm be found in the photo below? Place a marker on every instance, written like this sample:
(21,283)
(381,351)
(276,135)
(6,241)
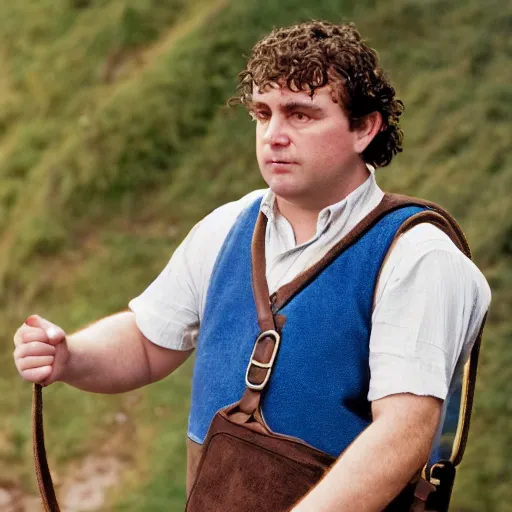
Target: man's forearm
(107,357)
(377,466)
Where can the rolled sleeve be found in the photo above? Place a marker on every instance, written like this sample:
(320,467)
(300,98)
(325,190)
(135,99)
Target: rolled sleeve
(424,373)
(162,332)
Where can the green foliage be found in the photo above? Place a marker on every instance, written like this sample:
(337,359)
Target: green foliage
(114,141)
(141,23)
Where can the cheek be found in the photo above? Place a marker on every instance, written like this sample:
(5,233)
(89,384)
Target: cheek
(260,156)
(259,141)
(332,147)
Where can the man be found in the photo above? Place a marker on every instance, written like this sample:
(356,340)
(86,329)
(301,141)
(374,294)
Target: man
(326,116)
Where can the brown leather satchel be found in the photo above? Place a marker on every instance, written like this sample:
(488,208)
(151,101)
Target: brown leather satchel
(244,466)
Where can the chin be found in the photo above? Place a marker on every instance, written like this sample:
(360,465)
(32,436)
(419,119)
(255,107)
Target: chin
(280,181)
(288,193)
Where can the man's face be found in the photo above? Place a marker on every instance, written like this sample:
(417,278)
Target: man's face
(305,149)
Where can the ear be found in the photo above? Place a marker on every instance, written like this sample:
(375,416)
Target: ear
(368,128)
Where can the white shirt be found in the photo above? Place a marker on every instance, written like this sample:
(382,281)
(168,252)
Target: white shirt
(430,298)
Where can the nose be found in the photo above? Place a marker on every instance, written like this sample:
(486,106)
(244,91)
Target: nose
(275,133)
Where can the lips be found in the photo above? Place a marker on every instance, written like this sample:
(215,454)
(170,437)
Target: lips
(279,161)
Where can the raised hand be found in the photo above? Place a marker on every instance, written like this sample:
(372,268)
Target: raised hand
(41,351)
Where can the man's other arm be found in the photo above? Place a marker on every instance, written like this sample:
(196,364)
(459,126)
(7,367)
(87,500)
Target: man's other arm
(382,460)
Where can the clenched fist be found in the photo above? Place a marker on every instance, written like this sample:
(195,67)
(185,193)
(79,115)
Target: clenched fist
(41,351)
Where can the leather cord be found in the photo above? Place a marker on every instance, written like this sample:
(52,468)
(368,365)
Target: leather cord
(44,478)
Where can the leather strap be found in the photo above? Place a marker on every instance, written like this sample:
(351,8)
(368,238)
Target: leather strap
(468,396)
(259,280)
(265,346)
(389,203)
(44,479)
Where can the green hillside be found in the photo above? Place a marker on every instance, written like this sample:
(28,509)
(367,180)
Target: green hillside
(115,141)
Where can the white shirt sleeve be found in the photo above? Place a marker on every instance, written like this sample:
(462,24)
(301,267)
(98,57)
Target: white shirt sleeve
(429,305)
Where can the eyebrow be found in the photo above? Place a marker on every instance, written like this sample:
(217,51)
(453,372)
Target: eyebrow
(288,107)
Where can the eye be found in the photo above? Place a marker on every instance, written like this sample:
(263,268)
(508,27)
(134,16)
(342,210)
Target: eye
(301,117)
(259,115)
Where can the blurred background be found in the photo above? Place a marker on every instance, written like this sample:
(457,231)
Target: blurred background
(115,141)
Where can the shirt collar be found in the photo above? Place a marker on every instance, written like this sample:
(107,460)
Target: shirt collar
(329,213)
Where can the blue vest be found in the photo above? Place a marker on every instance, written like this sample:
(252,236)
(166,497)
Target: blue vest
(319,384)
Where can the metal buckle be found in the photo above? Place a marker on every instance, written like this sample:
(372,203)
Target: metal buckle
(267,366)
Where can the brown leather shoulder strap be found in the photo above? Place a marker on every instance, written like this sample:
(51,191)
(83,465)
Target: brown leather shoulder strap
(259,279)
(266,347)
(441,219)
(389,203)
(44,479)
(468,393)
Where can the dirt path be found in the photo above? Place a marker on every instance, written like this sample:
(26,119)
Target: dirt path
(85,489)
(83,485)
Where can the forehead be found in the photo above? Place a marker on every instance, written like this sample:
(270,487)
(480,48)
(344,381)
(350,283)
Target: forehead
(275,95)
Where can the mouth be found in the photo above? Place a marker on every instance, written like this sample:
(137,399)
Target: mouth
(277,161)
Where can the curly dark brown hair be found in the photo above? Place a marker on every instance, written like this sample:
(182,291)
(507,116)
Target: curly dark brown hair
(310,55)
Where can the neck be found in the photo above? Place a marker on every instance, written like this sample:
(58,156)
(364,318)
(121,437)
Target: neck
(302,219)
(303,214)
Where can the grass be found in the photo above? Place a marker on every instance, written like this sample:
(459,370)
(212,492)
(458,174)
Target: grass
(114,142)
